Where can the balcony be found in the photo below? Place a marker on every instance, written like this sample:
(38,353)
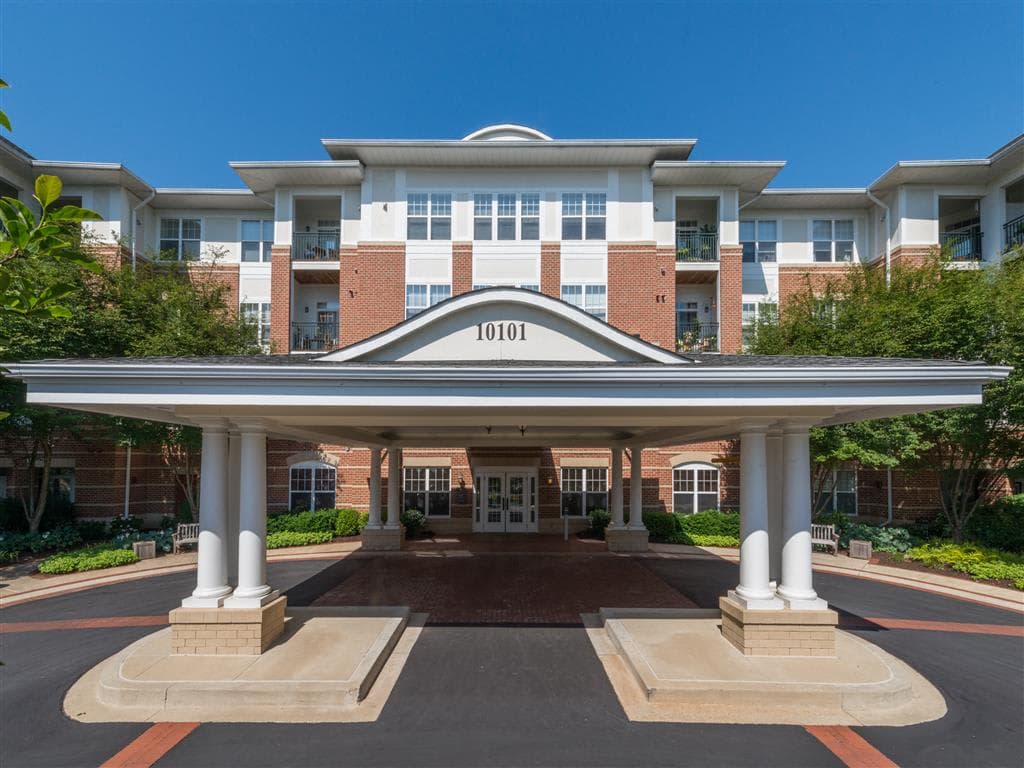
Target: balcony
(314,337)
(696,247)
(1013,232)
(962,244)
(315,246)
(696,337)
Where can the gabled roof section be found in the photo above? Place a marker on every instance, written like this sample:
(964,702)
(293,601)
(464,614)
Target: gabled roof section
(501,325)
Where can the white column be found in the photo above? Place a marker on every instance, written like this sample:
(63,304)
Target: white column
(618,516)
(234,479)
(754,591)
(796,587)
(212,570)
(374,520)
(636,489)
(394,487)
(252,590)
(773,444)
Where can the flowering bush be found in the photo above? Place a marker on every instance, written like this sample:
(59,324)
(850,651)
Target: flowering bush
(297,538)
(89,559)
(163,539)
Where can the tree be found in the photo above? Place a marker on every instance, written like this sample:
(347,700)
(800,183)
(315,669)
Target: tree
(927,311)
(155,310)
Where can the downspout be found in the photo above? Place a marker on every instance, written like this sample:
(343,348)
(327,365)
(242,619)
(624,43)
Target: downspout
(135,215)
(888,258)
(127,482)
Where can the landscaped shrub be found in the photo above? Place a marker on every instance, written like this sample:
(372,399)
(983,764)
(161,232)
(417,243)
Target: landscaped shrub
(883,539)
(14,545)
(89,559)
(349,522)
(122,525)
(320,520)
(999,525)
(163,539)
(599,520)
(972,559)
(711,540)
(662,526)
(297,538)
(710,523)
(92,530)
(413,520)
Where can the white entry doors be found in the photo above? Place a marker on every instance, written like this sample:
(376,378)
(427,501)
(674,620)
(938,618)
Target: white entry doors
(506,501)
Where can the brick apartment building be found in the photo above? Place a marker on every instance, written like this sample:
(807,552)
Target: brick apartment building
(685,254)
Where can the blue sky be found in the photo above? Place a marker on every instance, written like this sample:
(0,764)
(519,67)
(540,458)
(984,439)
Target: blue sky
(839,90)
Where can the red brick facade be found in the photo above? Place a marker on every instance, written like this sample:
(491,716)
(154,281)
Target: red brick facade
(641,291)
(795,279)
(462,268)
(730,299)
(280,296)
(551,269)
(373,290)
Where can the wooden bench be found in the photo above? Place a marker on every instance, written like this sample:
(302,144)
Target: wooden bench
(825,536)
(187,533)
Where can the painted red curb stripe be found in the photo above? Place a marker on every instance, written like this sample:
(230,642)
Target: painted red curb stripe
(98,623)
(1007,630)
(155,742)
(850,747)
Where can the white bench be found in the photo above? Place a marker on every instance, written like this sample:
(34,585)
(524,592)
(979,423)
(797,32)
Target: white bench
(825,536)
(187,533)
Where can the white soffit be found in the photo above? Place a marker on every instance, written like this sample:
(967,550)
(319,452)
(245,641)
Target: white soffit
(794,199)
(228,199)
(263,177)
(750,177)
(107,174)
(504,324)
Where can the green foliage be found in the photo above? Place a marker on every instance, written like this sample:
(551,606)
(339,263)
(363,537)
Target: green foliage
(164,539)
(662,526)
(710,523)
(349,522)
(933,312)
(4,120)
(320,521)
(92,530)
(414,521)
(710,540)
(297,538)
(883,538)
(88,559)
(124,525)
(14,545)
(1000,525)
(972,559)
(599,521)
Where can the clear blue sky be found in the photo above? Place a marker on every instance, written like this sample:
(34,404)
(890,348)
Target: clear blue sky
(839,90)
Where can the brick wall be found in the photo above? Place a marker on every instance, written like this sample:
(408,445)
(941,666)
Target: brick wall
(641,291)
(911,255)
(730,299)
(462,268)
(225,274)
(795,279)
(551,269)
(280,298)
(373,282)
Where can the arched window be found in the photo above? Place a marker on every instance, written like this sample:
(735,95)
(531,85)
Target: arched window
(311,485)
(694,488)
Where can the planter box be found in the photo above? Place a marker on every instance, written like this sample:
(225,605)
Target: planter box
(144,550)
(860,549)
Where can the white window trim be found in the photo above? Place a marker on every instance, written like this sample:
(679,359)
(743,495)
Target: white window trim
(426,492)
(834,490)
(757,241)
(854,254)
(430,285)
(431,216)
(584,478)
(584,284)
(261,325)
(584,216)
(518,216)
(266,246)
(694,466)
(315,466)
(180,218)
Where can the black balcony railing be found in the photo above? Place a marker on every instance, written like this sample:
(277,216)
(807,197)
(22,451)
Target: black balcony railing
(696,246)
(314,337)
(1013,232)
(962,244)
(315,246)
(696,337)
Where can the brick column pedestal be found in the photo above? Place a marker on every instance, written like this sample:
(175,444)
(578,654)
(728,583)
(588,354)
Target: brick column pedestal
(778,633)
(226,631)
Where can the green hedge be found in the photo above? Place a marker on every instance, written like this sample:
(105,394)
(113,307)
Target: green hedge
(709,529)
(89,559)
(600,519)
(281,539)
(972,559)
(349,522)
(1000,525)
(321,521)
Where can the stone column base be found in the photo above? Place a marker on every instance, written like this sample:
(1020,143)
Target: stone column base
(626,539)
(785,632)
(382,539)
(226,631)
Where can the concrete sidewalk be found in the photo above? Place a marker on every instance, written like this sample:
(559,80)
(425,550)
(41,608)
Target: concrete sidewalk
(844,565)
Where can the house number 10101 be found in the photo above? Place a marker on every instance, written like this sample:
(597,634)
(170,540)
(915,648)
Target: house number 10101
(501,331)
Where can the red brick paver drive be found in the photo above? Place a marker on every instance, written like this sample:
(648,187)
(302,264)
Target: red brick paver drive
(505,589)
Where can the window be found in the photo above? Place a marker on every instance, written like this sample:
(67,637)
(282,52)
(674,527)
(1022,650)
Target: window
(259,314)
(841,494)
(754,313)
(311,485)
(419,296)
(833,239)
(592,298)
(583,215)
(427,489)
(758,238)
(429,216)
(687,319)
(529,216)
(694,488)
(584,489)
(257,238)
(180,238)
(495,217)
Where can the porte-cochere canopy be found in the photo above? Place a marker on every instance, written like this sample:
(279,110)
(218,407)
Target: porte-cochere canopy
(506,367)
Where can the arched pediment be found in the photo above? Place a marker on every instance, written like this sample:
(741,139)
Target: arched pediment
(506,132)
(504,324)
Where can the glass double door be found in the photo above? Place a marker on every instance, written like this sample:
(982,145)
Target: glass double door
(506,502)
